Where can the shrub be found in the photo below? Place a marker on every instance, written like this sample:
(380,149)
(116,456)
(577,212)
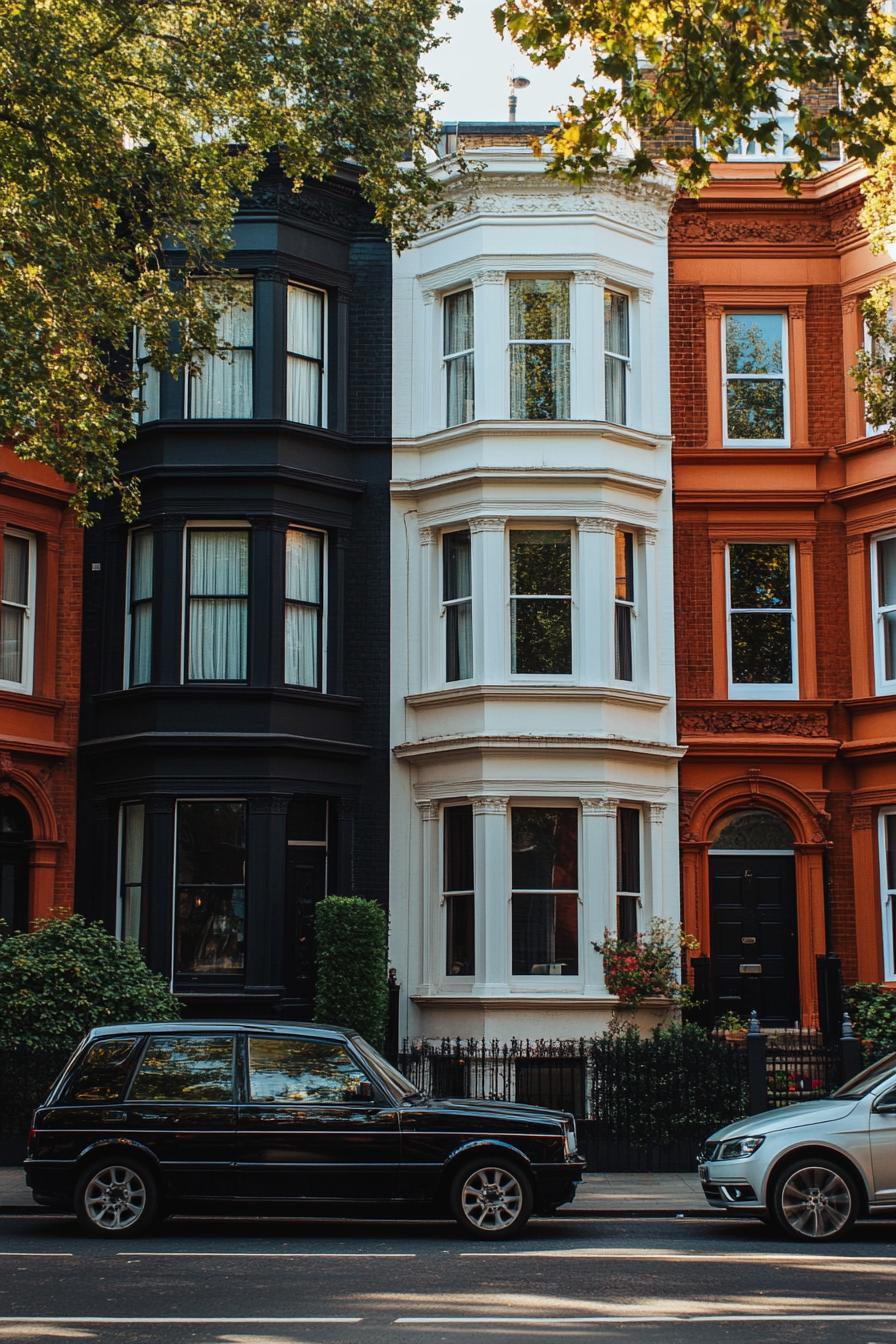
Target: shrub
(350,966)
(647,967)
(872,1009)
(68,976)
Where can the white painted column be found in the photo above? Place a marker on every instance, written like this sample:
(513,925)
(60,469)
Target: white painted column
(487,558)
(644,385)
(647,618)
(491,884)
(656,862)
(587,346)
(589,601)
(425,936)
(598,885)
(429,636)
(490,372)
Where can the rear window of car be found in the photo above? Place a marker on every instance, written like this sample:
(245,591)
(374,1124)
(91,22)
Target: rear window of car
(102,1073)
(185,1068)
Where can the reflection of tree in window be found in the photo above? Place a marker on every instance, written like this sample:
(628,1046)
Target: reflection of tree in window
(761,618)
(300,1071)
(541,602)
(754,376)
(103,1073)
(539,349)
(211,895)
(544,876)
(185,1068)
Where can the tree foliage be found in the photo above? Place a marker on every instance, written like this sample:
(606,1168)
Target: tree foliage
(350,965)
(129,124)
(68,976)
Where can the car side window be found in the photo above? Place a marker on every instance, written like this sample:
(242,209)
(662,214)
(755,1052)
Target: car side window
(302,1071)
(103,1072)
(185,1068)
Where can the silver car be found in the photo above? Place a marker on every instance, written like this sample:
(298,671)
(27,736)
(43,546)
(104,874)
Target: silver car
(812,1168)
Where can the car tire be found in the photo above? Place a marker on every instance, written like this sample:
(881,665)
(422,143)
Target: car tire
(814,1199)
(117,1196)
(491,1199)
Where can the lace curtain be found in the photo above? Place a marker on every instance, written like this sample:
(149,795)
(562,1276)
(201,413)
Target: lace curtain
(304,343)
(303,607)
(219,585)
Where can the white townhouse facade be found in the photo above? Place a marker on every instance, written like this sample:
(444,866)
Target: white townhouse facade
(534,770)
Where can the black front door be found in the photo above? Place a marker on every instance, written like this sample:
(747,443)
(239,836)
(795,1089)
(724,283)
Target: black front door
(306,875)
(753,936)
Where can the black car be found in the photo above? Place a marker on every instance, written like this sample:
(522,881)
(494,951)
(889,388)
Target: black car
(149,1118)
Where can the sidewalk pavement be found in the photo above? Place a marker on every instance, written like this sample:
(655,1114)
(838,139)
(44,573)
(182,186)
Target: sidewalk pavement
(602,1195)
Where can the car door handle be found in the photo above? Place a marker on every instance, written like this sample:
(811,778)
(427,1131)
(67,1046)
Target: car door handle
(271,1117)
(114,1117)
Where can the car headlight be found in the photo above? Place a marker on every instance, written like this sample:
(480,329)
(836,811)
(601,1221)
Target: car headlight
(570,1141)
(735,1148)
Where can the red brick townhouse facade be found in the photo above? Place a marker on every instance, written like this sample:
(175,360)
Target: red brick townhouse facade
(40,663)
(785,511)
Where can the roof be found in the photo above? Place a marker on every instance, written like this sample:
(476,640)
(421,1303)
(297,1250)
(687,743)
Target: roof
(321,1029)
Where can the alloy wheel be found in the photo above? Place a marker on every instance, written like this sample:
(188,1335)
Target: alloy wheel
(115,1198)
(816,1202)
(492,1199)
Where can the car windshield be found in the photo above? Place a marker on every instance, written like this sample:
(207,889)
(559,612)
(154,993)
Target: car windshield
(863,1082)
(387,1073)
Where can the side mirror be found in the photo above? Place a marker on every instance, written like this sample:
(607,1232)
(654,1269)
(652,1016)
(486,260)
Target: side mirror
(885,1108)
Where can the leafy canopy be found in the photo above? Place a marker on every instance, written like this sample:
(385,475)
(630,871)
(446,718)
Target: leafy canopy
(128,123)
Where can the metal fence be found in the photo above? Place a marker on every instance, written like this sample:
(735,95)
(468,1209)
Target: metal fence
(26,1077)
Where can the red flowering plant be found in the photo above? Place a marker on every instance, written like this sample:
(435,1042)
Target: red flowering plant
(647,967)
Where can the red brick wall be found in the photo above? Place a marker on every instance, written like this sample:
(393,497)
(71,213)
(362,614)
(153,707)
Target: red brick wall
(687,344)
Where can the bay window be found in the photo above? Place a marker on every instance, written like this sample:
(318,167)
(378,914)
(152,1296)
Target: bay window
(304,617)
(755,382)
(148,392)
(624,607)
(458,357)
(887,851)
(305,337)
(539,349)
(457,603)
(138,617)
(221,388)
(628,872)
(617,352)
(541,602)
(883,582)
(761,621)
(457,890)
(210,884)
(130,871)
(17,596)
(544,895)
(217,603)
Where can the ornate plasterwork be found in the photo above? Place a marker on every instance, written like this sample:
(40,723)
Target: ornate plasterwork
(490,524)
(710,227)
(429,811)
(596,524)
(492,804)
(589,277)
(488,278)
(599,807)
(645,207)
(783,722)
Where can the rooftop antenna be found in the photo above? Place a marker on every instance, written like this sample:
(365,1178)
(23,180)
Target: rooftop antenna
(515,82)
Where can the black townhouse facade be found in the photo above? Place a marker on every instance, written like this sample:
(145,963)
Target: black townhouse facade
(234,725)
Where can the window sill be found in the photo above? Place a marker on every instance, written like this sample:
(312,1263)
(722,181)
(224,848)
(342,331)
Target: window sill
(205,689)
(577,998)
(463,692)
(602,429)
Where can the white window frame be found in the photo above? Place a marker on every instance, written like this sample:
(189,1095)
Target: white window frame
(756,690)
(128,660)
(26,685)
(887,896)
(210,525)
(188,376)
(444,892)
(783,377)
(324,608)
(568,341)
(455,355)
(624,360)
(324,362)
(446,602)
(883,686)
(120,884)
(147,372)
(534,525)
(558,984)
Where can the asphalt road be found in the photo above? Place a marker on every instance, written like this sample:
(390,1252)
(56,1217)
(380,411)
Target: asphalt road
(660,1281)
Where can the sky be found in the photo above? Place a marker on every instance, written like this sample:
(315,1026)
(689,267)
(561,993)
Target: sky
(476,64)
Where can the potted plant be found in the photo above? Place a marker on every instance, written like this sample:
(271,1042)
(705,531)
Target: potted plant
(648,966)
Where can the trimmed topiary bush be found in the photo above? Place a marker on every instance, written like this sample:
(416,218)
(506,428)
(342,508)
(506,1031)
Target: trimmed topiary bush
(68,976)
(350,966)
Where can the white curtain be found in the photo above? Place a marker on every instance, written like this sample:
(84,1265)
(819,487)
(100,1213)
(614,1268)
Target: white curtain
(149,393)
(219,578)
(304,343)
(12,617)
(459,322)
(303,586)
(141,607)
(222,390)
(462,619)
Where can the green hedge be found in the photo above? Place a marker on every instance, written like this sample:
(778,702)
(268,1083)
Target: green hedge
(350,966)
(872,1010)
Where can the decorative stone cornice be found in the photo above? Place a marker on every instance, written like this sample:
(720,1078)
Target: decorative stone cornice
(644,207)
(589,277)
(797,312)
(596,524)
(428,295)
(429,811)
(715,311)
(491,805)
(488,524)
(488,278)
(778,722)
(426,535)
(599,807)
(657,813)
(709,226)
(645,294)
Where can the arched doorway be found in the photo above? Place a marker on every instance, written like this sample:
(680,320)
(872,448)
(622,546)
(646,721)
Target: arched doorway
(753,924)
(15,853)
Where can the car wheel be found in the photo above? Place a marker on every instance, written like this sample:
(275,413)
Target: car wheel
(117,1196)
(815,1200)
(491,1199)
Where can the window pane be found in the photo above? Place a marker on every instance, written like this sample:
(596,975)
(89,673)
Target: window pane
(307,819)
(457,825)
(625,546)
(615,390)
(461,401)
(539,310)
(141,644)
(460,956)
(889,642)
(15,570)
(459,322)
(459,642)
(303,565)
(219,562)
(628,849)
(545,848)
(540,562)
(616,323)
(760,576)
(890,843)
(211,842)
(886,572)
(303,389)
(627,917)
(539,382)
(12,637)
(753,343)
(131,914)
(141,564)
(624,670)
(761,648)
(304,322)
(210,930)
(755,410)
(302,1071)
(545,935)
(132,839)
(103,1073)
(541,630)
(456,565)
(301,651)
(222,389)
(217,639)
(185,1068)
